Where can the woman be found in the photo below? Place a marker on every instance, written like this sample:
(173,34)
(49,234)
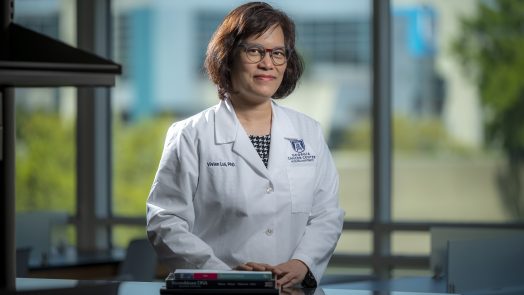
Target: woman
(248,184)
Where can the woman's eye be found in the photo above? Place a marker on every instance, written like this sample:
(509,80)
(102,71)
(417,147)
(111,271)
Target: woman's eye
(279,53)
(254,51)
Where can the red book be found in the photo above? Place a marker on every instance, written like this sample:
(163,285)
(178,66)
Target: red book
(205,276)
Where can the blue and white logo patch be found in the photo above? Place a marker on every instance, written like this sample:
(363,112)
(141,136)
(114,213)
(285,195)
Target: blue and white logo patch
(300,155)
(297,145)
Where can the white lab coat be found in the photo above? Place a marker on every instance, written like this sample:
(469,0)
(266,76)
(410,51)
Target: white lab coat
(214,204)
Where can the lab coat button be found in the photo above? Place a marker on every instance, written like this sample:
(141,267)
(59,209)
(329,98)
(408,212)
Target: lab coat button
(269,189)
(269,231)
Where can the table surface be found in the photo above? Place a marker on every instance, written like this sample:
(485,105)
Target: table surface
(145,288)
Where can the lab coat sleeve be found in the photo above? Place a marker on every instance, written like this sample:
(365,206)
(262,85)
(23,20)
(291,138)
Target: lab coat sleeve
(170,211)
(326,219)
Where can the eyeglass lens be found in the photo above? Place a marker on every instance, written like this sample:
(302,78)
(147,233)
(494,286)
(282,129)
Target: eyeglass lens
(256,53)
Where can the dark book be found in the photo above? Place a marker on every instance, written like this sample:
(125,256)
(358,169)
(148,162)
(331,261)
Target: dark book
(166,291)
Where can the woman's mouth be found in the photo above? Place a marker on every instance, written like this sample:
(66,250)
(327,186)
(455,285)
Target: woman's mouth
(265,77)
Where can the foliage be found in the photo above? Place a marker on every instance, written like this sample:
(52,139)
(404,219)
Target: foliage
(489,47)
(137,147)
(424,135)
(45,163)
(137,150)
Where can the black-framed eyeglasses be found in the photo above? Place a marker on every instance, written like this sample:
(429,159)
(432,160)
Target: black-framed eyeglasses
(255,53)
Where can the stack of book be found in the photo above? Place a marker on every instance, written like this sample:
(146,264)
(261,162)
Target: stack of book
(199,281)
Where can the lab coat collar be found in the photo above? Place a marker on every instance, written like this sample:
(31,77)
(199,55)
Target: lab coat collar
(228,129)
(226,122)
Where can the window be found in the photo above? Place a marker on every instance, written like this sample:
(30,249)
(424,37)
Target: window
(341,40)
(45,140)
(443,168)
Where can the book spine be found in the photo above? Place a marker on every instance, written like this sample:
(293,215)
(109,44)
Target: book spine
(216,284)
(205,276)
(247,276)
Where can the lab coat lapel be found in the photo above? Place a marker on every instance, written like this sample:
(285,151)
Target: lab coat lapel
(281,130)
(228,129)
(243,147)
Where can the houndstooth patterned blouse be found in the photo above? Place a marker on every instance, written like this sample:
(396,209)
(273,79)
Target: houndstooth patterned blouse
(261,144)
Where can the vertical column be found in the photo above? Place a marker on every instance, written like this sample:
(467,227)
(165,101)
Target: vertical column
(381,136)
(7,189)
(93,132)
(7,161)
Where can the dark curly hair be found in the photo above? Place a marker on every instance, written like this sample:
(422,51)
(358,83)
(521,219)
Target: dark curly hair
(250,19)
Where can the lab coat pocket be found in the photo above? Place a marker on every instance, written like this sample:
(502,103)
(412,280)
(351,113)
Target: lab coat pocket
(302,186)
(224,191)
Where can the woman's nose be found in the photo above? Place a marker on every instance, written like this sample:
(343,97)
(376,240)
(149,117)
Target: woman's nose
(266,61)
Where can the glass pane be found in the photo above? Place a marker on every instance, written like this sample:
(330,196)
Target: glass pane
(45,149)
(162,44)
(45,143)
(355,242)
(451,145)
(53,18)
(410,243)
(137,150)
(45,168)
(123,234)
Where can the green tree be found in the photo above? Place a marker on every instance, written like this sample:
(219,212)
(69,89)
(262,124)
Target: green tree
(46,171)
(45,162)
(137,150)
(489,47)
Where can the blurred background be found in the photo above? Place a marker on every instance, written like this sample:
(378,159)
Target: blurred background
(457,101)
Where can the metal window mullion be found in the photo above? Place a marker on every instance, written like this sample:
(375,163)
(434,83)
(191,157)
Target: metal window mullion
(7,161)
(93,133)
(381,36)
(7,187)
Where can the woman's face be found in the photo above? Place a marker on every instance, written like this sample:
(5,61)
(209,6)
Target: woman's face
(255,83)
